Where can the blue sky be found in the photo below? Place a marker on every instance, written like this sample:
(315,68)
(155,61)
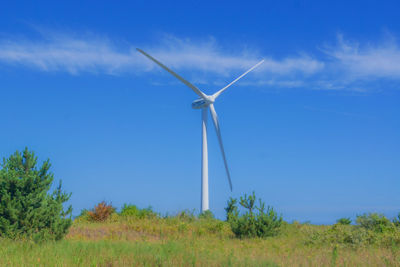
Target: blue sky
(314,131)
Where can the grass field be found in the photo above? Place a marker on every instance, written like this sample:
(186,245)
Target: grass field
(176,241)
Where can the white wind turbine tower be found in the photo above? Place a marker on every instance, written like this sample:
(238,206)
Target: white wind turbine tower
(205,102)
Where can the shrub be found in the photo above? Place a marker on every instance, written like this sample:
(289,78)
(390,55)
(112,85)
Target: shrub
(396,221)
(374,222)
(347,234)
(133,211)
(83,216)
(370,229)
(101,212)
(186,216)
(129,210)
(27,209)
(206,215)
(212,226)
(256,221)
(344,221)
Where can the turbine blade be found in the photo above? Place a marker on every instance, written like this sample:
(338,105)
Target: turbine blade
(237,79)
(194,88)
(217,129)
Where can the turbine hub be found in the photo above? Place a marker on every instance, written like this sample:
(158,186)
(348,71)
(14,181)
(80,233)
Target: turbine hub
(203,103)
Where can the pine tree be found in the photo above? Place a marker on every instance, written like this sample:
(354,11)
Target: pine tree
(27,209)
(256,221)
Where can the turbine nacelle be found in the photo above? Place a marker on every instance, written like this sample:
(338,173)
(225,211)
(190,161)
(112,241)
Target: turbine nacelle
(202,103)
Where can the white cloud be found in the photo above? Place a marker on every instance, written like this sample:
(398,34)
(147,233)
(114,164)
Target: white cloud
(68,54)
(348,66)
(368,61)
(303,64)
(207,56)
(99,55)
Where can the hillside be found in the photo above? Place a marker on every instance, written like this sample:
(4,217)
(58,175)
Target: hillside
(185,240)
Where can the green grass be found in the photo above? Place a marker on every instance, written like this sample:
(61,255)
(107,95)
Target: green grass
(189,242)
(123,253)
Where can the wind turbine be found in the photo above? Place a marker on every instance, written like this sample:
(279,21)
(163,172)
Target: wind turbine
(205,102)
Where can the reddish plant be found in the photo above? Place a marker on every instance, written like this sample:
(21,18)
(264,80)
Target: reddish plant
(101,212)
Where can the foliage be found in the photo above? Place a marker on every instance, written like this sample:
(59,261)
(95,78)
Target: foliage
(27,209)
(344,221)
(256,221)
(231,208)
(370,229)
(129,210)
(206,215)
(186,216)
(396,221)
(186,240)
(101,212)
(83,216)
(133,211)
(342,234)
(84,213)
(375,222)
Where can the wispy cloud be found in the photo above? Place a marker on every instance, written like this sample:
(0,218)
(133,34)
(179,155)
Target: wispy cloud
(100,55)
(208,56)
(63,53)
(344,66)
(368,61)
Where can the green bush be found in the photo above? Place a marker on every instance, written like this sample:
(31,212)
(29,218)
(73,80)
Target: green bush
(83,216)
(347,234)
(396,221)
(130,210)
(370,229)
(206,215)
(27,209)
(344,221)
(256,221)
(375,222)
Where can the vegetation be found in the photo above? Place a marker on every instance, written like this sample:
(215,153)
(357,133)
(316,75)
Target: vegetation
(375,222)
(184,240)
(252,235)
(27,210)
(100,212)
(133,211)
(370,229)
(256,221)
(396,221)
(344,221)
(207,215)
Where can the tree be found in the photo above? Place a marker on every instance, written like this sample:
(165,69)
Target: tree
(256,221)
(27,209)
